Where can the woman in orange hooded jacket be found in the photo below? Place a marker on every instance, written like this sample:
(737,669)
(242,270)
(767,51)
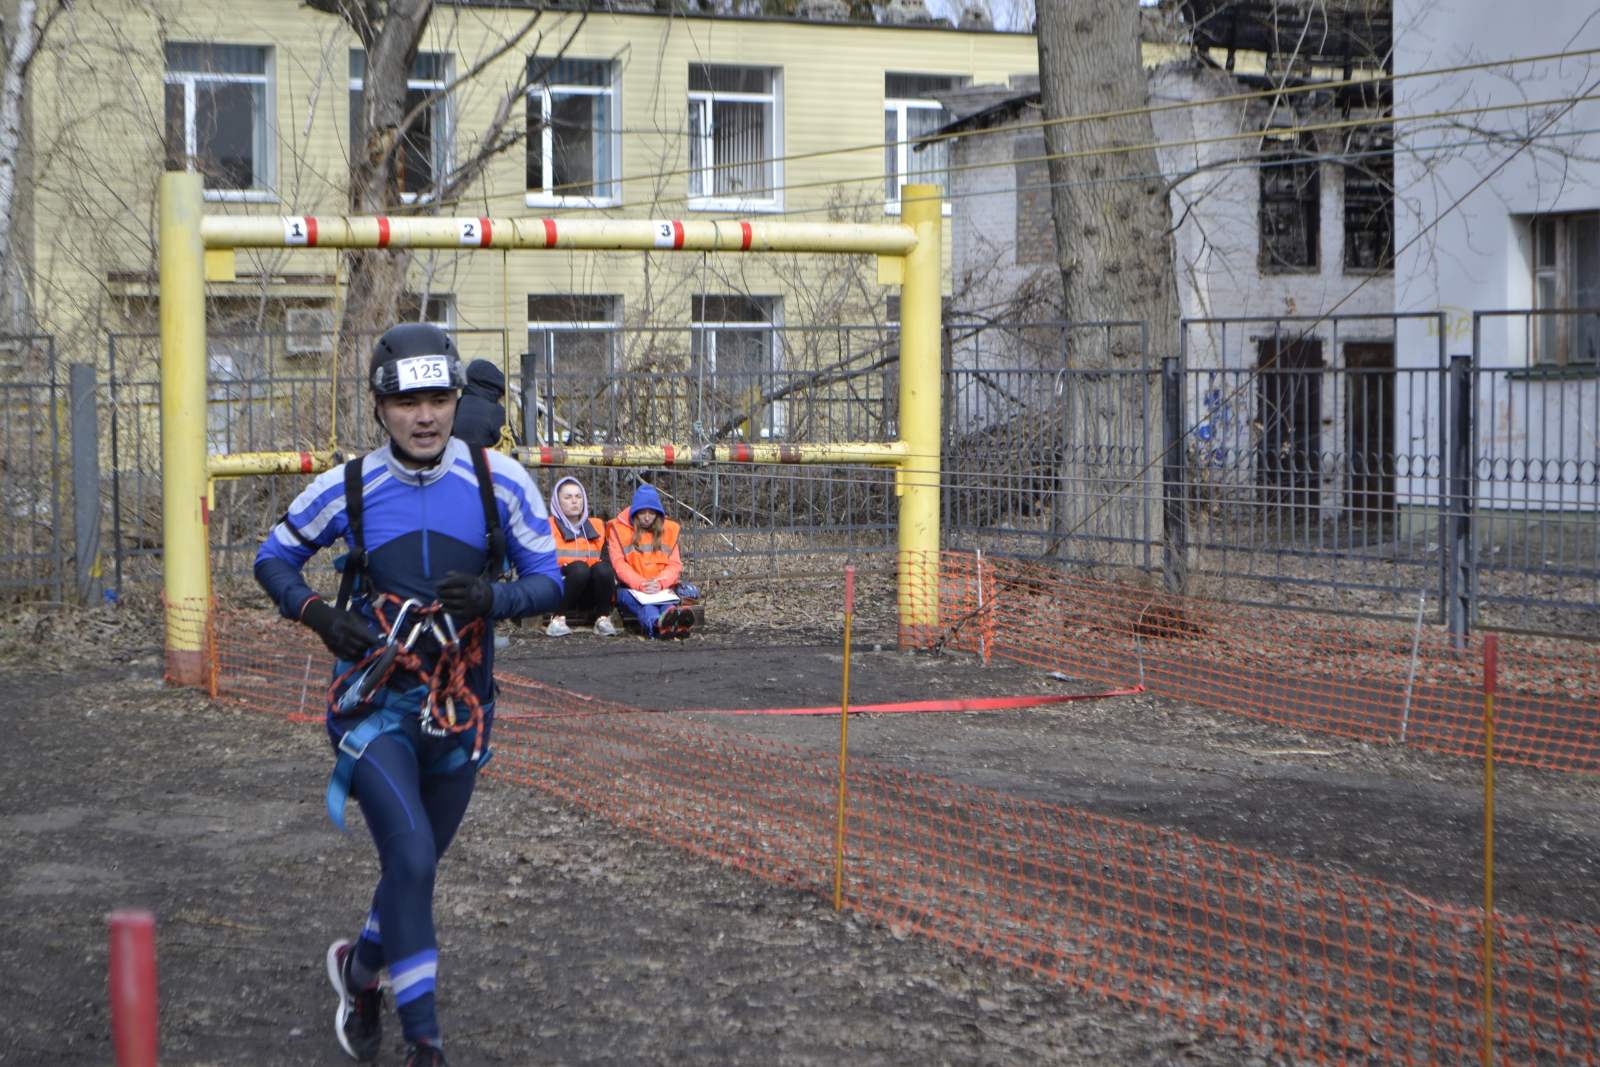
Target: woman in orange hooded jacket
(642,544)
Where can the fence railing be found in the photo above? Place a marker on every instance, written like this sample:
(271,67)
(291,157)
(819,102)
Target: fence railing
(1531,487)
(1326,463)
(1346,464)
(35,526)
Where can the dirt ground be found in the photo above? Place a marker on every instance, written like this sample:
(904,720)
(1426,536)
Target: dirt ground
(565,941)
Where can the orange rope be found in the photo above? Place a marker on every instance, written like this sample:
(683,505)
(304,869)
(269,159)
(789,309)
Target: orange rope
(446,682)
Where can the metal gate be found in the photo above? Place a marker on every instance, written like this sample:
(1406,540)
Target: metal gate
(33,522)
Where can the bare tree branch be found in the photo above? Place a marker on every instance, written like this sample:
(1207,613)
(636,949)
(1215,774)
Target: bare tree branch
(362,16)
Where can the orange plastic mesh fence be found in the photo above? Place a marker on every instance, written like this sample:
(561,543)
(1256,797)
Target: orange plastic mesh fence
(1355,678)
(1317,964)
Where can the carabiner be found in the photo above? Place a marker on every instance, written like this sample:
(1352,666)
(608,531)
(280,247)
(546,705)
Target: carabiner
(411,638)
(450,625)
(438,631)
(425,719)
(361,689)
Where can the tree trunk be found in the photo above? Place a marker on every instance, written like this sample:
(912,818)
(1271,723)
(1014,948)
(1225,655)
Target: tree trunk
(23,46)
(1115,252)
(376,279)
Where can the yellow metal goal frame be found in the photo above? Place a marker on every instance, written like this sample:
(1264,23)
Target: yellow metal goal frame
(908,254)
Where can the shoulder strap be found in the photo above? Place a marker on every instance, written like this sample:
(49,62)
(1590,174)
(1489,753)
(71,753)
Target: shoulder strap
(491,515)
(356,565)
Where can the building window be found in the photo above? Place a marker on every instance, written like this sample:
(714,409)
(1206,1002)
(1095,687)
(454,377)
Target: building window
(734,140)
(423,158)
(240,336)
(574,140)
(568,367)
(1369,202)
(910,112)
(1290,206)
(733,363)
(436,308)
(217,103)
(1566,274)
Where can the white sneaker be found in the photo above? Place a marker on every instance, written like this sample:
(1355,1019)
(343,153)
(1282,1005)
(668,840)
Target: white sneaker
(604,627)
(558,626)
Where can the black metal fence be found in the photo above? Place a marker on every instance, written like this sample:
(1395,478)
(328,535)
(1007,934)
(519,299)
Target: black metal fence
(1343,463)
(1346,464)
(1526,428)
(797,384)
(35,527)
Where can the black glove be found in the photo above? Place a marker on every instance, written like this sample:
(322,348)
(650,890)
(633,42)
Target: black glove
(347,635)
(466,596)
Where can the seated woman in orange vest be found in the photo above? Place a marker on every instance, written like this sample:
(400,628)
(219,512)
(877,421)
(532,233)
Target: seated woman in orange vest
(587,580)
(642,544)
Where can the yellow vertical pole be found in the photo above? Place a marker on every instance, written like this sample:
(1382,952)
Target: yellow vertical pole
(918,475)
(505,442)
(338,351)
(185,512)
(1491,656)
(844,742)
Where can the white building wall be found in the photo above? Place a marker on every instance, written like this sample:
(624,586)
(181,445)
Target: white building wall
(1217,256)
(1218,239)
(1465,195)
(990,262)
(1232,304)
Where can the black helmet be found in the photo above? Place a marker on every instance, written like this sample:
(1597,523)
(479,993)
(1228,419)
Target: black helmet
(413,356)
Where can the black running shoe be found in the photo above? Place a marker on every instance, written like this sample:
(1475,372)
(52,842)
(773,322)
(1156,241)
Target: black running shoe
(422,1054)
(358,1022)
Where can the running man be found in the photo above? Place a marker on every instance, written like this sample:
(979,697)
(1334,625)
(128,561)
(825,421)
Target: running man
(428,522)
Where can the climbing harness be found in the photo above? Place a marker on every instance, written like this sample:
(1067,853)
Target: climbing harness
(445,685)
(443,702)
(439,697)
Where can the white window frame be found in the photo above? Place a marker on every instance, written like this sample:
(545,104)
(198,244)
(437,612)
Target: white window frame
(705,100)
(266,169)
(551,327)
(541,410)
(447,301)
(547,197)
(777,423)
(898,106)
(444,132)
(224,397)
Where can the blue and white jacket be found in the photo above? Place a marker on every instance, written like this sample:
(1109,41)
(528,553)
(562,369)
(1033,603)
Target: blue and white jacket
(420,525)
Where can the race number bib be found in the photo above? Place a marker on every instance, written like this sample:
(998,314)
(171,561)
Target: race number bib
(423,372)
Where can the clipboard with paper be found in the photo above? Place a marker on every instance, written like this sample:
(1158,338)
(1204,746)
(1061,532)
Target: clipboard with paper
(664,596)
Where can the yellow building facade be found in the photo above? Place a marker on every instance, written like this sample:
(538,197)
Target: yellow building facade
(636,115)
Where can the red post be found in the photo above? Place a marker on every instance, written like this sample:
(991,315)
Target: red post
(849,590)
(132,975)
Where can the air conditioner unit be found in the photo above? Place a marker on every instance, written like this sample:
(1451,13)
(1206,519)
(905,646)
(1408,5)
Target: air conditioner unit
(308,331)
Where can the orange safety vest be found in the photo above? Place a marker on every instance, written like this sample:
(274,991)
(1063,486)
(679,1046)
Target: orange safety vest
(647,554)
(581,549)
